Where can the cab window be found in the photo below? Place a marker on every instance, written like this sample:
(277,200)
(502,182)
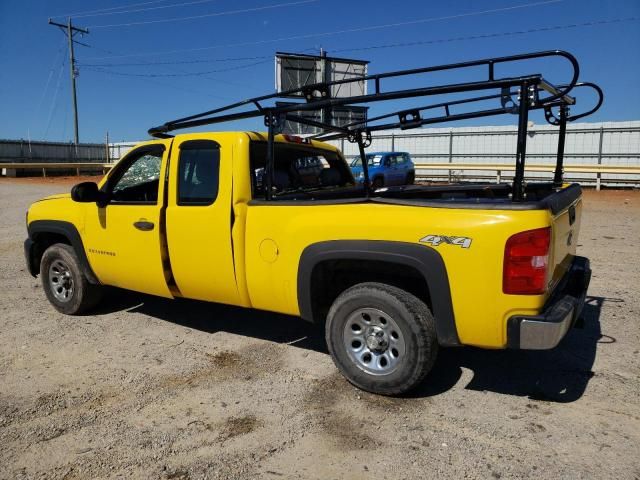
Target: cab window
(198,172)
(372,161)
(138,180)
(299,170)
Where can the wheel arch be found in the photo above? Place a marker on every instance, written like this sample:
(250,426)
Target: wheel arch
(44,233)
(418,262)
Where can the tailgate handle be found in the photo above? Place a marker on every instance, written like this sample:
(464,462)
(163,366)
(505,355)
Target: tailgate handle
(143,225)
(572,214)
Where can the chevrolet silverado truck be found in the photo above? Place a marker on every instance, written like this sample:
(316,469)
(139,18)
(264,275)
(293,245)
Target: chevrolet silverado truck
(277,222)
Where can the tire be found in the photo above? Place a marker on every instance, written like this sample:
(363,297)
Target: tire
(391,363)
(66,287)
(377,182)
(411,177)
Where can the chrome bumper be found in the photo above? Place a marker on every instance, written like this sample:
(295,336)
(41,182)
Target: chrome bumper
(544,331)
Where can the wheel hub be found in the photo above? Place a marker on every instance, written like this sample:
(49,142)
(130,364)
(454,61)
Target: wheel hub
(61,281)
(373,341)
(376,340)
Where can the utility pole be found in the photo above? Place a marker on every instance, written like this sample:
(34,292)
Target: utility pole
(70,31)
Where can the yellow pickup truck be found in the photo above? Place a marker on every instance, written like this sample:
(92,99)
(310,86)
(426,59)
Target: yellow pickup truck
(241,218)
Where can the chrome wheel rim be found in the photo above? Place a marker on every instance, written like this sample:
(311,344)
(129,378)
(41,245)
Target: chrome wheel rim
(373,341)
(61,281)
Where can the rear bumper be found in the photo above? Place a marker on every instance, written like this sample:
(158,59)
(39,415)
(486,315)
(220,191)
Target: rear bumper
(544,331)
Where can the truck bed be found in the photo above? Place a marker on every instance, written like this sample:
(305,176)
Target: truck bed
(489,196)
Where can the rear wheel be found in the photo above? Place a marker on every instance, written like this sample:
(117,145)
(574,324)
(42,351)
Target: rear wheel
(66,287)
(381,338)
(378,182)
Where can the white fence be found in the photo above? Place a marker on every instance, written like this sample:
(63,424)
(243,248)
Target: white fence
(611,144)
(608,144)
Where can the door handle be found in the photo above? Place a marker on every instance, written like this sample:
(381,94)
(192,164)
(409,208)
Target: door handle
(143,225)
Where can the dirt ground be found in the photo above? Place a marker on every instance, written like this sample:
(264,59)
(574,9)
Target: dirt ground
(151,388)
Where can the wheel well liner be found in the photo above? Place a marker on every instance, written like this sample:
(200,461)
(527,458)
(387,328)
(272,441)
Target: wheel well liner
(422,259)
(43,233)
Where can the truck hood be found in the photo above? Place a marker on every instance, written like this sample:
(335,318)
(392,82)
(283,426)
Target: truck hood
(58,207)
(54,197)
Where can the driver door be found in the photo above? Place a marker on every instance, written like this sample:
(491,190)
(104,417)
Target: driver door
(124,239)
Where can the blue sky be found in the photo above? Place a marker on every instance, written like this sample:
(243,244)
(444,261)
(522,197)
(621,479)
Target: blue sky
(152,35)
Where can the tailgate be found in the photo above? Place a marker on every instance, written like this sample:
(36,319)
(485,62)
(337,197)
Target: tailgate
(565,226)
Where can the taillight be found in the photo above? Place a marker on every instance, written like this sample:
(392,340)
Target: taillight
(295,139)
(526,257)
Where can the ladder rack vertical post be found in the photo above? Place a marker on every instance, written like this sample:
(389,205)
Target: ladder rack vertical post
(521,150)
(268,167)
(557,177)
(365,166)
(450,151)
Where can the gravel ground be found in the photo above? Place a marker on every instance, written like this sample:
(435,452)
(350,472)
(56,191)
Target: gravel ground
(152,388)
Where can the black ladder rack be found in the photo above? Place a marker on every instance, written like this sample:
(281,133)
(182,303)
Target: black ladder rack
(537,92)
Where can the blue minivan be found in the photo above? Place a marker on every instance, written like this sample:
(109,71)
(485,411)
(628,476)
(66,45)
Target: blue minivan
(386,169)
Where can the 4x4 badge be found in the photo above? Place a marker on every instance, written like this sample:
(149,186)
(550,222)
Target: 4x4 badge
(435,240)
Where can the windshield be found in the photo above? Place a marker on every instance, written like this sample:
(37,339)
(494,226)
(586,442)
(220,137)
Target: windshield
(372,161)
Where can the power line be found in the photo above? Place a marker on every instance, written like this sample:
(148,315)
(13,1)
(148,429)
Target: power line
(175,62)
(195,92)
(77,14)
(56,59)
(164,84)
(173,5)
(173,69)
(186,74)
(352,49)
(340,32)
(370,47)
(199,93)
(64,122)
(489,35)
(55,98)
(216,14)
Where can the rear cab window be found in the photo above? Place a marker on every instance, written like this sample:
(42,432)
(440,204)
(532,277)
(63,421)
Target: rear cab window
(300,172)
(198,172)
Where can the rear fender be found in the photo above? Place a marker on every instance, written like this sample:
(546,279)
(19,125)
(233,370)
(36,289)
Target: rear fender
(425,260)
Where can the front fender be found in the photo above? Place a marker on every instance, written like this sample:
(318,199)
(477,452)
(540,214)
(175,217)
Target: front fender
(58,227)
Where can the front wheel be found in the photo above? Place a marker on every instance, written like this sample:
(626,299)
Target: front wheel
(381,338)
(66,287)
(411,178)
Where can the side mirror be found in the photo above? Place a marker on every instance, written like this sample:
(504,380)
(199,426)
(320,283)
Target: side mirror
(86,192)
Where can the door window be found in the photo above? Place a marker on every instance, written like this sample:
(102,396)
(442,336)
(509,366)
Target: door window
(138,183)
(198,172)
